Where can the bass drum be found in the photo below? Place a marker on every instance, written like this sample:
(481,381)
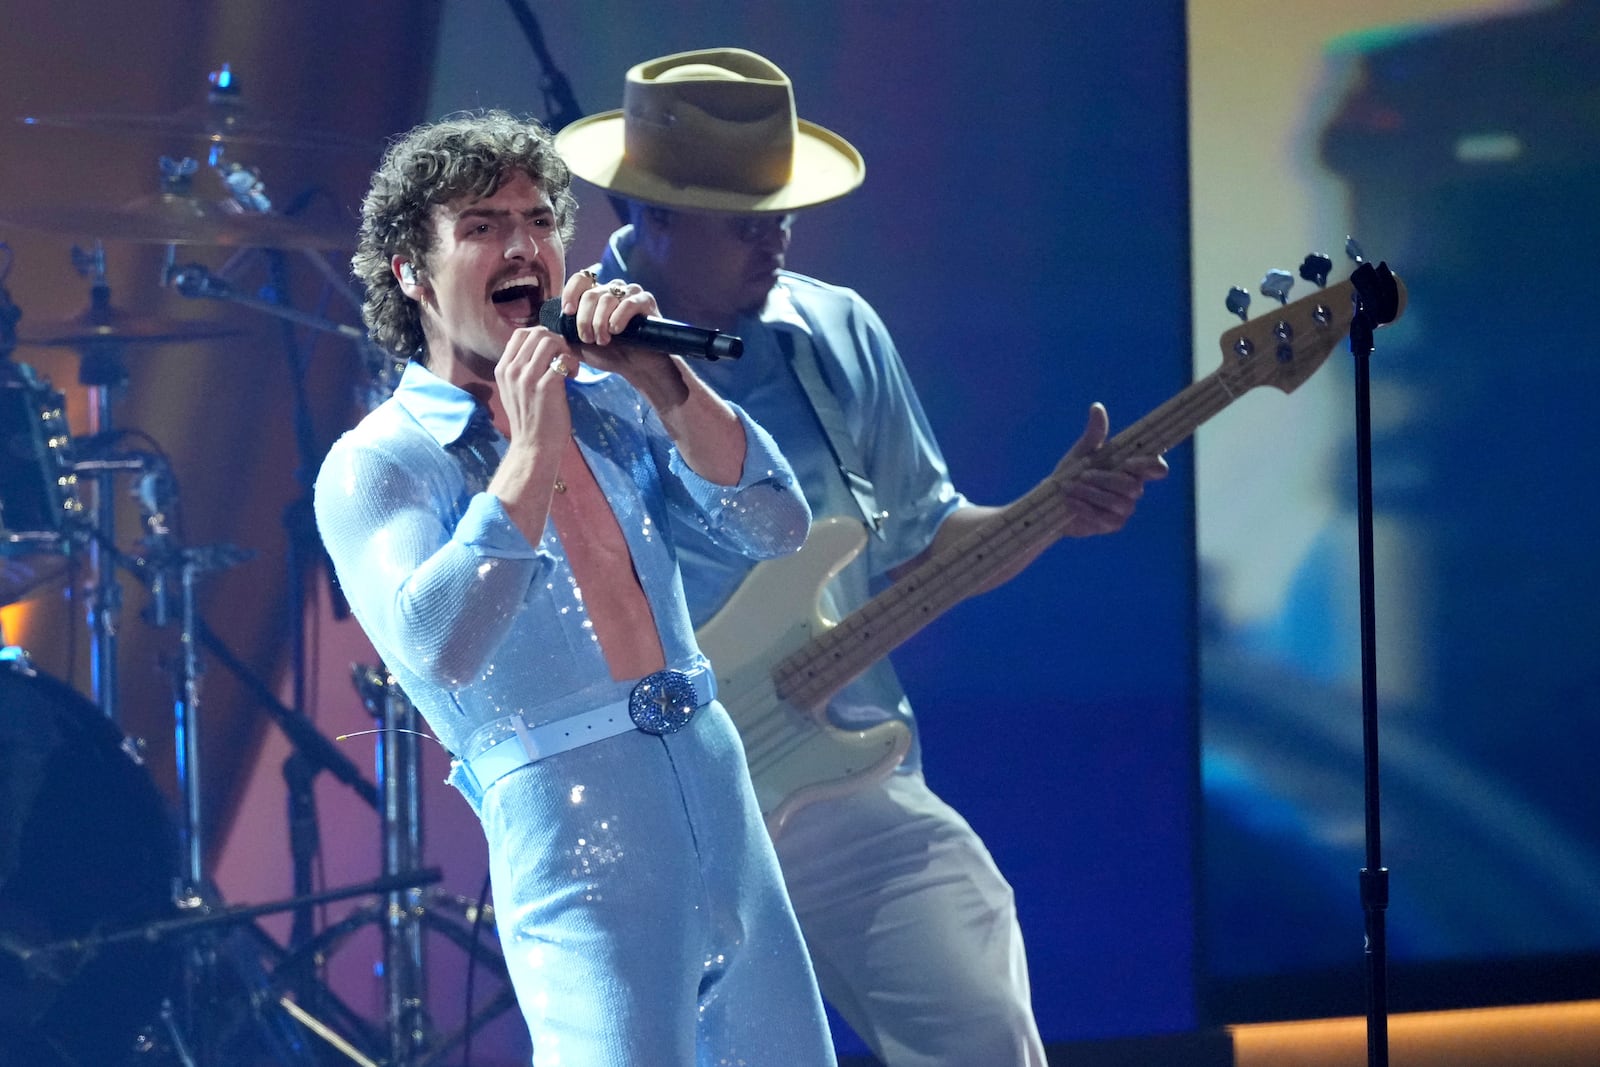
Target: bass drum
(86,847)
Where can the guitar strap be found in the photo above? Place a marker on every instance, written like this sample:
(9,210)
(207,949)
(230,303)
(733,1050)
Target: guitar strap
(825,406)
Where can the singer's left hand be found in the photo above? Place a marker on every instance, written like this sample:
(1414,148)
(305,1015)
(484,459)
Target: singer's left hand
(600,311)
(706,430)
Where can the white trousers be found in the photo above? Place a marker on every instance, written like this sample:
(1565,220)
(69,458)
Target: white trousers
(912,929)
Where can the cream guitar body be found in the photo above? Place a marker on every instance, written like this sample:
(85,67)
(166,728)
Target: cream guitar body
(795,755)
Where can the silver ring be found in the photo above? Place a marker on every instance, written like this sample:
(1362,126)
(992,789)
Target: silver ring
(559,365)
(618,290)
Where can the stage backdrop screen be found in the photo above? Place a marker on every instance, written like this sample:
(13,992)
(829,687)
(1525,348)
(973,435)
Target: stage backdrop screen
(1463,147)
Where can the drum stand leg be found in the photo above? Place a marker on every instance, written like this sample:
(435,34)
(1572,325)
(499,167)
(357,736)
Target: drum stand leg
(201,961)
(103,373)
(405,980)
(205,958)
(169,1025)
(410,913)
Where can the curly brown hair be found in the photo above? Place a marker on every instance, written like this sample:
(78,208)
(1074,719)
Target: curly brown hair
(465,154)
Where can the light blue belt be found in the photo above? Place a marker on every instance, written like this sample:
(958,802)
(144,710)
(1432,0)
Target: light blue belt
(661,703)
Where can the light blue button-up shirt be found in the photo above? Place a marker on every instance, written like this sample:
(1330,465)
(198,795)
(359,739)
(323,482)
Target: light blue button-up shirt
(858,360)
(474,621)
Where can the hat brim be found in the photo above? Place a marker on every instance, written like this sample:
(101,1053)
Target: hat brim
(826,167)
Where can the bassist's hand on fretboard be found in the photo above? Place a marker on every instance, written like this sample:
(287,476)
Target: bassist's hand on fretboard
(1101,498)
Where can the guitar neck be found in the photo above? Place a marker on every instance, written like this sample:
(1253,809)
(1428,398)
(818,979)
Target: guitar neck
(1281,349)
(811,675)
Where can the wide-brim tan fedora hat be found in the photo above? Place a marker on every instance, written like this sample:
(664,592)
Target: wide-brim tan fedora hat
(713,130)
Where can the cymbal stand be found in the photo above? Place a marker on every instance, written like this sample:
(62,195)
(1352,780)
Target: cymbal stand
(101,369)
(404,976)
(172,565)
(195,1030)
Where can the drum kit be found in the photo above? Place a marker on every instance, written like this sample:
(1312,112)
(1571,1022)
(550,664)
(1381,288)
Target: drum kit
(115,949)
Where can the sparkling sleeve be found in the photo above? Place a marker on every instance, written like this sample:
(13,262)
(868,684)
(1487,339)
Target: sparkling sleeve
(437,595)
(765,515)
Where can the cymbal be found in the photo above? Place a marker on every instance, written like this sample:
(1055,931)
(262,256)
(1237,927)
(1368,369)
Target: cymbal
(170,218)
(215,123)
(103,325)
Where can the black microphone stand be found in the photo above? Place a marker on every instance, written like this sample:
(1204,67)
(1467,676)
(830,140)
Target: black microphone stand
(1376,302)
(561,106)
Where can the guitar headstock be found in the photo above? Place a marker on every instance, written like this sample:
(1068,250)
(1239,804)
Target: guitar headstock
(1286,346)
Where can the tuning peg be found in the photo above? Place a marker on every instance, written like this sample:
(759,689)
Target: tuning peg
(1316,269)
(1277,284)
(1353,250)
(1239,303)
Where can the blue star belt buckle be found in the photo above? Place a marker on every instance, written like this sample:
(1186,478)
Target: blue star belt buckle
(663,702)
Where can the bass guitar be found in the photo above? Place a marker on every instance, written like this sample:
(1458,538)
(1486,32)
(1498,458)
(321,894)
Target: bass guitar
(779,658)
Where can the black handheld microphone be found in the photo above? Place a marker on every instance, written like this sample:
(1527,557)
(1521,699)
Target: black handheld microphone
(663,335)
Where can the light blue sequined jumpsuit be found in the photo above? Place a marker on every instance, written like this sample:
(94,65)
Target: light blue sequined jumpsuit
(640,906)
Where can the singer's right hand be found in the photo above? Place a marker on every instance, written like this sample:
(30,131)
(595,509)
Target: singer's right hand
(531,384)
(531,390)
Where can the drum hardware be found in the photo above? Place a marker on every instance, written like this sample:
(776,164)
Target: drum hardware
(408,914)
(246,223)
(292,969)
(200,1026)
(196,281)
(408,1029)
(404,977)
(173,573)
(39,504)
(59,962)
(381,369)
(100,369)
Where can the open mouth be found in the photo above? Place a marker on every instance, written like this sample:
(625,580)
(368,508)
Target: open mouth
(517,300)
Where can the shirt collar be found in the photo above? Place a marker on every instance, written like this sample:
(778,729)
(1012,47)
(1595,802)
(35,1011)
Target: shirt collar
(443,409)
(779,310)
